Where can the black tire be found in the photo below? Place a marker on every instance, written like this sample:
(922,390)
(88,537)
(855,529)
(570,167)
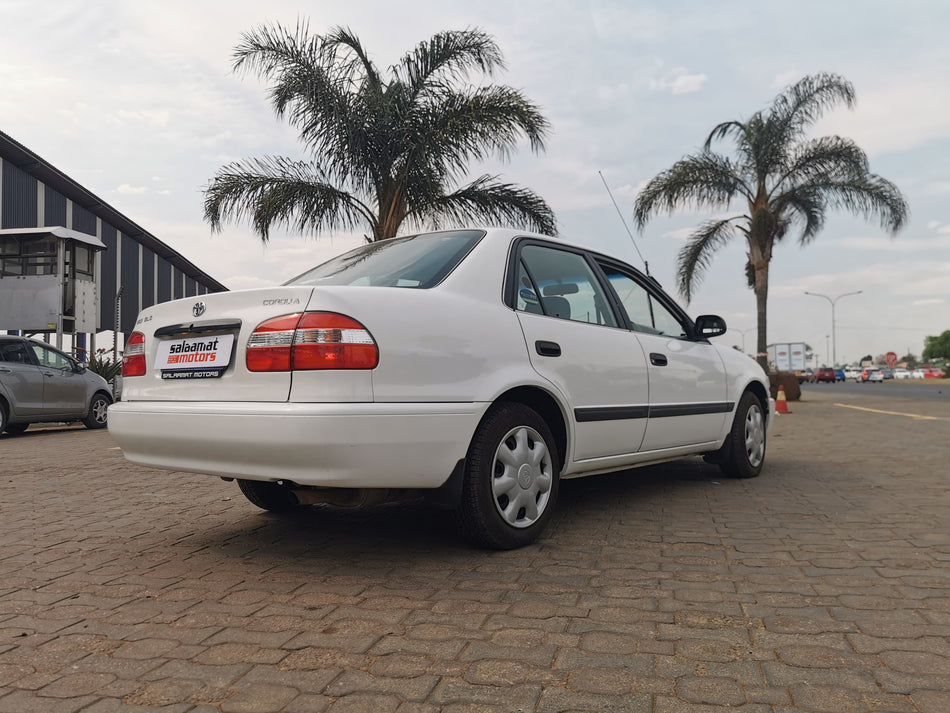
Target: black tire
(3,417)
(15,429)
(493,489)
(745,444)
(98,414)
(269,496)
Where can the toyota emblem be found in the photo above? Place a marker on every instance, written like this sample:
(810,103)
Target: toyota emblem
(198,309)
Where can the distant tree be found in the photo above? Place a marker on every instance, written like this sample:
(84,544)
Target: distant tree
(781,179)
(937,347)
(385,148)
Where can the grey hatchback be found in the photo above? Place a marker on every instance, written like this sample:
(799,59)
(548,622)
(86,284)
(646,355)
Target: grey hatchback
(39,383)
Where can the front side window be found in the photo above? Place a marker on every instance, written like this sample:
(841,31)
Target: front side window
(51,358)
(419,261)
(561,284)
(645,312)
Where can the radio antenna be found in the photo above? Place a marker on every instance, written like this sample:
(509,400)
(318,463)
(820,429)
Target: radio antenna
(646,265)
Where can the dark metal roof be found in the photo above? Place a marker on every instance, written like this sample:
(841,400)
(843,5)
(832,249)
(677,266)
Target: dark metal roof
(24,159)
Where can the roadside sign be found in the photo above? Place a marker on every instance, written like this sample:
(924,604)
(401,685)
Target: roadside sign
(891,359)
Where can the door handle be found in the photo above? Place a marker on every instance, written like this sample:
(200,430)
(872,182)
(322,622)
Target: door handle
(5,370)
(658,359)
(551,349)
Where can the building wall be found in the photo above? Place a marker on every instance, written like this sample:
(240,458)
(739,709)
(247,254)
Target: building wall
(145,277)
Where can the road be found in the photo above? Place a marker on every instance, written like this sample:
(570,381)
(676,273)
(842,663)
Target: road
(932,389)
(819,587)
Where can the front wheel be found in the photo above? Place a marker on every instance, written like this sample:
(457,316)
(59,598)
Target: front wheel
(15,429)
(511,479)
(746,440)
(98,415)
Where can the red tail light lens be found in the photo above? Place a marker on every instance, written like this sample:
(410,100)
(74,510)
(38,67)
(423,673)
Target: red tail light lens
(269,347)
(312,340)
(133,359)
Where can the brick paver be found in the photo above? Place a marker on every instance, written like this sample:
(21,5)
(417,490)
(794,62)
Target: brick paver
(821,586)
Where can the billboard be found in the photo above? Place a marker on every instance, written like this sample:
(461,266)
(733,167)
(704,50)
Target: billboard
(789,356)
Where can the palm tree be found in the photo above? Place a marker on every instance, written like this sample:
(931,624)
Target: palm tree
(385,150)
(782,180)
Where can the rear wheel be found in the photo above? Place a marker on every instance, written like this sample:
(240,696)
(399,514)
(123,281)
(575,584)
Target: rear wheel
(269,496)
(746,440)
(511,479)
(98,415)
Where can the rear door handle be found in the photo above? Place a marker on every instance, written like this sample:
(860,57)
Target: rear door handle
(551,349)
(658,359)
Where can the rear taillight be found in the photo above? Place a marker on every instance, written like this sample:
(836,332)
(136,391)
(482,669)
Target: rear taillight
(133,359)
(311,340)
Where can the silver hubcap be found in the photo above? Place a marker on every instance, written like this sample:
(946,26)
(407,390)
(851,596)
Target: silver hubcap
(522,476)
(754,436)
(100,409)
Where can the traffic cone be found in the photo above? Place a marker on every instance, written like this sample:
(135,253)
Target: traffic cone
(781,404)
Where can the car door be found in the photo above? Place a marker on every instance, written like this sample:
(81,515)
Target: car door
(687,377)
(576,342)
(20,379)
(64,388)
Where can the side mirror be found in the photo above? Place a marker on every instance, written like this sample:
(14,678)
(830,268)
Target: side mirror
(710,325)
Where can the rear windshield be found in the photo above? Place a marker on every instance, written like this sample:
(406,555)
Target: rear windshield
(420,261)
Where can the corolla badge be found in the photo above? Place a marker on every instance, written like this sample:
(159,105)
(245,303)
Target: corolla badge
(198,309)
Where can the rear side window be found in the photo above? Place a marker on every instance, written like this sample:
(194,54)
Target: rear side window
(561,284)
(14,352)
(417,261)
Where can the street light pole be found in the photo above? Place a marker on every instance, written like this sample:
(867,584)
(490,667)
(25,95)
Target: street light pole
(834,349)
(743,332)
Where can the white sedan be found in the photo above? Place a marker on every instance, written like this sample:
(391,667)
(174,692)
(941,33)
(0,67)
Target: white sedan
(478,366)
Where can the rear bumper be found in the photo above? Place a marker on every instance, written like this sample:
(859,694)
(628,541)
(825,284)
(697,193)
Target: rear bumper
(363,445)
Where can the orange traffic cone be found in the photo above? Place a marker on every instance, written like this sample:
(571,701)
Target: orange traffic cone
(781,404)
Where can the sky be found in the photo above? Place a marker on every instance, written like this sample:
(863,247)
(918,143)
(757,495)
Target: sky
(137,101)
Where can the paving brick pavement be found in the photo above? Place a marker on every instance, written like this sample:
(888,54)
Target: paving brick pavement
(821,586)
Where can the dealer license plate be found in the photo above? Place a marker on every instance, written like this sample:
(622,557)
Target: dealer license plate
(194,357)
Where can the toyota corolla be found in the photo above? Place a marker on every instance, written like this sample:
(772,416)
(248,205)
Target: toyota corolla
(477,367)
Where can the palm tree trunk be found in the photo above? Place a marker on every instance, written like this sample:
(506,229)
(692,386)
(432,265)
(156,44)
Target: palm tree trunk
(761,298)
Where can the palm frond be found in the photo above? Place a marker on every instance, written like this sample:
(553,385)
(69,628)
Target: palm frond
(825,156)
(805,206)
(704,180)
(275,191)
(453,54)
(869,196)
(463,126)
(488,201)
(694,257)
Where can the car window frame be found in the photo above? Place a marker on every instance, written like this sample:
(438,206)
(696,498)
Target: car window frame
(595,260)
(654,290)
(510,295)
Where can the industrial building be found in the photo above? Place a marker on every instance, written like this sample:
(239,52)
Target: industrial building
(71,264)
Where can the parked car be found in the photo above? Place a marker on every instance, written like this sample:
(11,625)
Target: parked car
(807,376)
(887,373)
(825,374)
(839,375)
(874,375)
(478,367)
(39,383)
(902,373)
(853,372)
(929,372)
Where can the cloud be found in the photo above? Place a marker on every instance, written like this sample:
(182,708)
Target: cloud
(899,244)
(677,81)
(127,190)
(933,301)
